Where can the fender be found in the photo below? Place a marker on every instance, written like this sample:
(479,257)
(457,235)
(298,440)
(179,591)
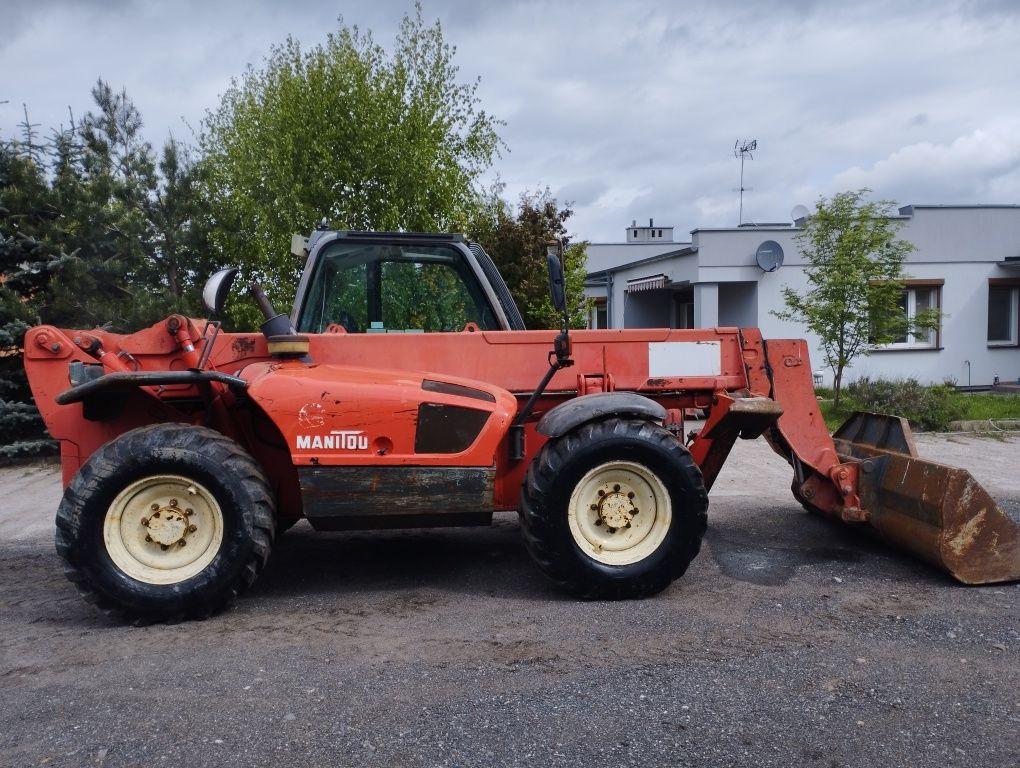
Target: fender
(573,413)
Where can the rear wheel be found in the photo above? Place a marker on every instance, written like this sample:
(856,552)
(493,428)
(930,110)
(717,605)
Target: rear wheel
(614,509)
(166,521)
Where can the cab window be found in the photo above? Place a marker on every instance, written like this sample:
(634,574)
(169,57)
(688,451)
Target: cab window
(370,288)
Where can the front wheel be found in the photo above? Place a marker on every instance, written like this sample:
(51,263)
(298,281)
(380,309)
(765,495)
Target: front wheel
(166,521)
(614,509)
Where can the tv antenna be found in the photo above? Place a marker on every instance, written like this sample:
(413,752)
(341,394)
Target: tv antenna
(743,149)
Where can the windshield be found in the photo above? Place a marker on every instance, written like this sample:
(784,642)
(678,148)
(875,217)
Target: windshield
(387,288)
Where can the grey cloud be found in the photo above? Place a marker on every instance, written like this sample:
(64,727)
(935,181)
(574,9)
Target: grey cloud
(582,192)
(995,9)
(629,109)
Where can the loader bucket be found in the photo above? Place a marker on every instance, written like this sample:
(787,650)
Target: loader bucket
(939,513)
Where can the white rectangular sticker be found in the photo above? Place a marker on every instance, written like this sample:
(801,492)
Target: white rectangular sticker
(683,358)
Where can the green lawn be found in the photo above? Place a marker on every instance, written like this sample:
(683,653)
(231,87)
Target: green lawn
(981,405)
(973,406)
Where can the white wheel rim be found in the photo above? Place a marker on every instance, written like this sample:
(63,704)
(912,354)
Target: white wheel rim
(619,513)
(163,529)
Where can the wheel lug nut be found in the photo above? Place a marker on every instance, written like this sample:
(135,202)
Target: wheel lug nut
(610,529)
(599,521)
(182,542)
(164,547)
(191,529)
(173,502)
(616,487)
(635,511)
(189,511)
(154,507)
(594,507)
(601,492)
(148,538)
(630,495)
(627,525)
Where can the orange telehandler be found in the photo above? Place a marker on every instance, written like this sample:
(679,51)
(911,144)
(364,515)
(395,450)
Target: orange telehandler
(404,391)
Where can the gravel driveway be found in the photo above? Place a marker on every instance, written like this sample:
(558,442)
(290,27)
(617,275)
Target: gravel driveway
(790,642)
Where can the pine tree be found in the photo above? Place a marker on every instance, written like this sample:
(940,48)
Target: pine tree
(92,233)
(104,175)
(27,215)
(177,238)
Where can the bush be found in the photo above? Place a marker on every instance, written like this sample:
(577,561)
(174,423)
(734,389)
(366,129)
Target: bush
(928,408)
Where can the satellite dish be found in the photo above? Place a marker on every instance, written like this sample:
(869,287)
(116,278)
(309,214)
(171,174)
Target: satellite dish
(769,256)
(799,212)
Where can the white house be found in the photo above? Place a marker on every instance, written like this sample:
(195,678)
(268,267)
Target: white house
(966,262)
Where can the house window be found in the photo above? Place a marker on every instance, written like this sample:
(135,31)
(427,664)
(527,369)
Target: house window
(598,315)
(1002,315)
(918,297)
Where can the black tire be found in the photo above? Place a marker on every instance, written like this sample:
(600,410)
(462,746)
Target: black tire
(229,489)
(284,524)
(584,453)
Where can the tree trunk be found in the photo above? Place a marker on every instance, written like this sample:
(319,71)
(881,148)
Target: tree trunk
(837,386)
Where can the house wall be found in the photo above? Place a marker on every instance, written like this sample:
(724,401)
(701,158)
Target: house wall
(963,246)
(738,304)
(647,309)
(964,356)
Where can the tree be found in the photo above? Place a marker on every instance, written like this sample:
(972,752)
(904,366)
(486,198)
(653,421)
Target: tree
(27,213)
(91,233)
(855,275)
(177,237)
(103,172)
(132,230)
(517,239)
(369,140)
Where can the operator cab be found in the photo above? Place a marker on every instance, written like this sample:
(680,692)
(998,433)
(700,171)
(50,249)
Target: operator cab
(370,282)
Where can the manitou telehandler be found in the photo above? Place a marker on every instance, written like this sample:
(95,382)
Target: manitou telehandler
(404,391)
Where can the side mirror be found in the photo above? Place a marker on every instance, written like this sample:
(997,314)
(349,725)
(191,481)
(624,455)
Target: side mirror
(556,289)
(214,295)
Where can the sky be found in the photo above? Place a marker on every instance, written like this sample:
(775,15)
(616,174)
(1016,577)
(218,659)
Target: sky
(628,110)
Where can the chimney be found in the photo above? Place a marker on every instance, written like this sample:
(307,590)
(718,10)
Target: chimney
(650,224)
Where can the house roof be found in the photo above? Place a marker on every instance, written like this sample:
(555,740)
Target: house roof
(907,210)
(685,251)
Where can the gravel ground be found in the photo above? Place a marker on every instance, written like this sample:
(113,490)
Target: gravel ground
(791,641)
